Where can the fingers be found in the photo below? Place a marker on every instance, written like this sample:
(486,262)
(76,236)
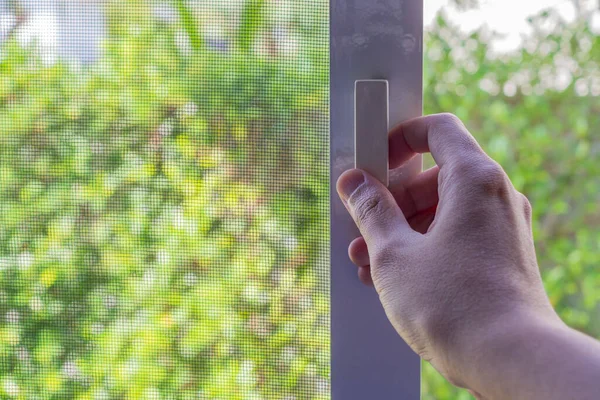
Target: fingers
(359,254)
(469,180)
(418,195)
(417,199)
(373,208)
(364,274)
(442,135)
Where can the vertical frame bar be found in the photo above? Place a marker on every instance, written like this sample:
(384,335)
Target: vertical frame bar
(370,39)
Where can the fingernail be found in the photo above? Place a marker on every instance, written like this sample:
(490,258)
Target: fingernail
(349,182)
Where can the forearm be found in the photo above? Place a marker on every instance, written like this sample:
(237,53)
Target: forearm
(533,359)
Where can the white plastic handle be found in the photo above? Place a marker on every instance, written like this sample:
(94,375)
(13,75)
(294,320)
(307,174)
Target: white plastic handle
(371,127)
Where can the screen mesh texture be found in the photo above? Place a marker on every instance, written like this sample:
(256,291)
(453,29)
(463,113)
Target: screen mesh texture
(164,199)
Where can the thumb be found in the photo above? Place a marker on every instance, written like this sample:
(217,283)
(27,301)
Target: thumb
(373,208)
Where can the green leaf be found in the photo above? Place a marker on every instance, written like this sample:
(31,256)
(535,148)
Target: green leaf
(190,25)
(252,21)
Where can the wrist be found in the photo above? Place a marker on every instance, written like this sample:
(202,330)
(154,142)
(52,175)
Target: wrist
(467,351)
(529,355)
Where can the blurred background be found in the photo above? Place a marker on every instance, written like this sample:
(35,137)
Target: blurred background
(164,183)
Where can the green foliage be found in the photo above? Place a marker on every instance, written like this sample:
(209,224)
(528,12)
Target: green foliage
(251,22)
(163,219)
(537,112)
(190,24)
(164,213)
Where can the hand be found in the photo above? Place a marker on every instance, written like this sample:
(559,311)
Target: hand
(451,253)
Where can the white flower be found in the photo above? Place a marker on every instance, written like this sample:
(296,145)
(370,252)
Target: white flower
(70,370)
(11,387)
(12,317)
(25,260)
(166,128)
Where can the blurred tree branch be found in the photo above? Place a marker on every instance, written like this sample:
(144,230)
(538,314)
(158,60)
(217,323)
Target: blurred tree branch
(17,10)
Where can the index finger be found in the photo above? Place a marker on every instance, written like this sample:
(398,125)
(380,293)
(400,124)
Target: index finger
(442,135)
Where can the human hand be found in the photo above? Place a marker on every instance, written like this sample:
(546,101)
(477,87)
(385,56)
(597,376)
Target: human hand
(450,253)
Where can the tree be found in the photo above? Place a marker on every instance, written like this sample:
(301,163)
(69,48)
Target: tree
(164,212)
(536,111)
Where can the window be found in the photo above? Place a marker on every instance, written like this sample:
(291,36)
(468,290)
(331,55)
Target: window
(165,198)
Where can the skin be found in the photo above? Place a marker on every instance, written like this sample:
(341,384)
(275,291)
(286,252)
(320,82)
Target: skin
(452,257)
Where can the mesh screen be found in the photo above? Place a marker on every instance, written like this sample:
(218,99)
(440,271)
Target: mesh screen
(164,199)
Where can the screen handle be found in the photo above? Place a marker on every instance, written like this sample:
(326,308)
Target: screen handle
(371,125)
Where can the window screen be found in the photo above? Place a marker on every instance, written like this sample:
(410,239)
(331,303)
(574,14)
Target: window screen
(164,191)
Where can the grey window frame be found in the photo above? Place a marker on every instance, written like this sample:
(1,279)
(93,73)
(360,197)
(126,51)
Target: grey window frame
(370,39)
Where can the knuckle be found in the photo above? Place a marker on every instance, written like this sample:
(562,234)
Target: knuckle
(527,208)
(449,119)
(367,207)
(491,180)
(390,266)
(384,256)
